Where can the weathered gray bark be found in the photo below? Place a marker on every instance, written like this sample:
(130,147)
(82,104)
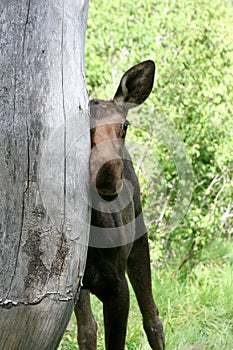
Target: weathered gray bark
(44,152)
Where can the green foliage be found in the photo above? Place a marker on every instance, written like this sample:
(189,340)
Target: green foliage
(191,43)
(182,144)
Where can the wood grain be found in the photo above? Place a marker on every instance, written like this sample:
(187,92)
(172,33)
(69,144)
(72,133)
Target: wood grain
(44,154)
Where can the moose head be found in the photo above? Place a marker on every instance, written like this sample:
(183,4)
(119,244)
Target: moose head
(109,126)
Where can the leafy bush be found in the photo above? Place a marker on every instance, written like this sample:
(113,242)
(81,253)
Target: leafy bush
(191,43)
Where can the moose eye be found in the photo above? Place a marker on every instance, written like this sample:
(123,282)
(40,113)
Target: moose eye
(126,124)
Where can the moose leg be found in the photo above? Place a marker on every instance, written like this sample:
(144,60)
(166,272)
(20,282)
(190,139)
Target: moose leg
(87,327)
(139,273)
(116,309)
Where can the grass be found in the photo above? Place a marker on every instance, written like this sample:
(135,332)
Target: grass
(196,305)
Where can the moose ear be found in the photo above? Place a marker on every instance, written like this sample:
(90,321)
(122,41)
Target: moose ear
(136,84)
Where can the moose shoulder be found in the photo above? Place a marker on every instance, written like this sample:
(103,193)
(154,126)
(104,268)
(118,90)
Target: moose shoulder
(118,239)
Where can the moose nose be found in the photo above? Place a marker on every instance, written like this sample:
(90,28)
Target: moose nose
(109,178)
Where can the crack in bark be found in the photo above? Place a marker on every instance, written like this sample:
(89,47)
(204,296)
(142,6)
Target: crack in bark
(8,304)
(23,207)
(26,24)
(28,155)
(18,247)
(64,109)
(23,210)
(63,239)
(28,158)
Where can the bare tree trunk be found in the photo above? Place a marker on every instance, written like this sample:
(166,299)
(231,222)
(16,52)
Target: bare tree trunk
(44,154)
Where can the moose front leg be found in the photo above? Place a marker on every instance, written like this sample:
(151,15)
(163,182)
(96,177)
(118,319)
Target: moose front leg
(87,327)
(116,309)
(140,277)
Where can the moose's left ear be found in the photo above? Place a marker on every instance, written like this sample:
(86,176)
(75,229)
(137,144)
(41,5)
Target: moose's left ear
(136,84)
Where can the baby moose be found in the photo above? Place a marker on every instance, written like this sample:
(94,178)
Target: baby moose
(118,240)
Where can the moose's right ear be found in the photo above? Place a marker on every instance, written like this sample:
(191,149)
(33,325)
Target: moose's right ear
(136,84)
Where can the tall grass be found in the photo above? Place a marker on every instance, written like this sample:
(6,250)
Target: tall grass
(196,305)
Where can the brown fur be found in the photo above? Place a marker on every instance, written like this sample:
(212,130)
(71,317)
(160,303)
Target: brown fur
(127,250)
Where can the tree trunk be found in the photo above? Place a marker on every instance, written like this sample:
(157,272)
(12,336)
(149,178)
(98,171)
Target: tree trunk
(44,155)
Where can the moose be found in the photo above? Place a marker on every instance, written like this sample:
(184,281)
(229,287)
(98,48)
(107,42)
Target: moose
(118,240)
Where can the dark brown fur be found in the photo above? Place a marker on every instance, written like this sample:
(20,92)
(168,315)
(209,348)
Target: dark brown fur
(120,249)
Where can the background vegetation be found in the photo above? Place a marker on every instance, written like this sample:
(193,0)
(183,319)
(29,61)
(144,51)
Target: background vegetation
(182,140)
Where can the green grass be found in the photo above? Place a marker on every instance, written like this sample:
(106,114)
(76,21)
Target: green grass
(196,305)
